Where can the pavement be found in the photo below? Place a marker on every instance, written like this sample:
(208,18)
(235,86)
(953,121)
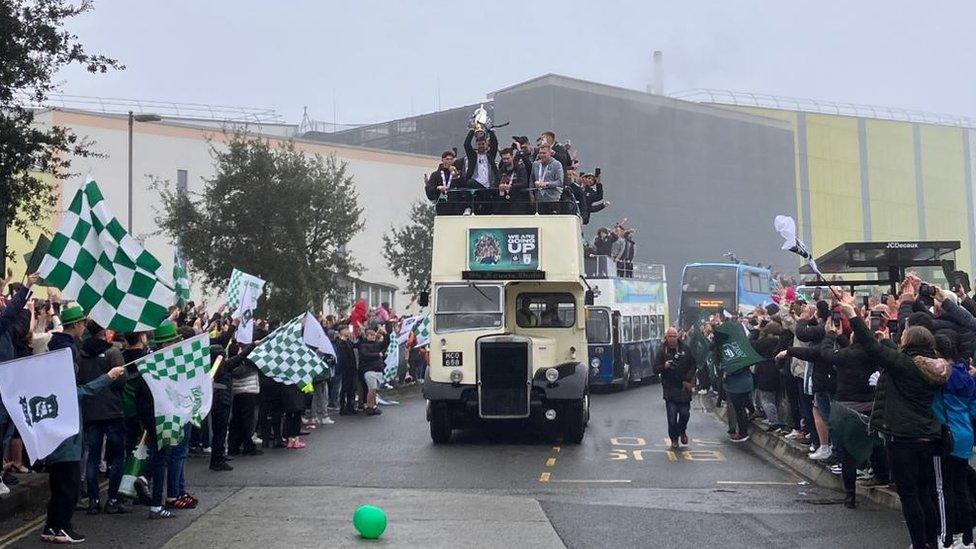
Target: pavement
(622,487)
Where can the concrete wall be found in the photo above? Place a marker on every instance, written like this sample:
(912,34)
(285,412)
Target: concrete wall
(387,182)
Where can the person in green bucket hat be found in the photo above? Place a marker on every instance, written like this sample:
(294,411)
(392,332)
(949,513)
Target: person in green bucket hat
(165,334)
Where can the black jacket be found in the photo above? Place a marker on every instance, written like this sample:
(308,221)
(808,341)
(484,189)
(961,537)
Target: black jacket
(853,365)
(672,379)
(519,178)
(903,400)
(95,358)
(439,178)
(345,355)
(471,163)
(560,153)
(767,371)
(10,325)
(582,201)
(371,354)
(824,375)
(603,246)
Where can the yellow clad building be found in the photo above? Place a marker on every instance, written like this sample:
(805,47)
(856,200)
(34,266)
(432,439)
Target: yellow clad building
(868,173)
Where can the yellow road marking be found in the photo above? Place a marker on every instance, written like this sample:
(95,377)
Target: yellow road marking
(550,462)
(628,441)
(544,477)
(555,449)
(22,532)
(756,482)
(592,481)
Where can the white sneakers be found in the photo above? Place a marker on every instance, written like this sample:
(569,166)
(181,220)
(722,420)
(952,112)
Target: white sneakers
(822,453)
(3,489)
(326,421)
(794,434)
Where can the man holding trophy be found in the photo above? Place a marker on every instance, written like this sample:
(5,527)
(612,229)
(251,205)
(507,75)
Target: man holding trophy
(480,168)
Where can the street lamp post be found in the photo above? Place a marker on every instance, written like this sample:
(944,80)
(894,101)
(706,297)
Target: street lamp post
(136,118)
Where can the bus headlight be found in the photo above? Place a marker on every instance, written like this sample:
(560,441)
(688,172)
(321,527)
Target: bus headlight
(456,376)
(552,375)
(595,363)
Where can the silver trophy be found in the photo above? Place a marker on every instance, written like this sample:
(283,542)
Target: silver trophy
(480,121)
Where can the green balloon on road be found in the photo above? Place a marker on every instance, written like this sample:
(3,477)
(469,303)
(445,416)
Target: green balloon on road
(370,521)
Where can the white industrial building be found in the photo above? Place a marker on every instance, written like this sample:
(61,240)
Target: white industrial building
(179,150)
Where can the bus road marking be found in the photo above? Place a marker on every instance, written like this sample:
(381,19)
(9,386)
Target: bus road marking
(555,449)
(544,477)
(702,455)
(628,441)
(550,462)
(592,481)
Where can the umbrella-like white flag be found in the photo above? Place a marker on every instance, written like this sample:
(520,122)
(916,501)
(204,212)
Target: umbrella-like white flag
(786,227)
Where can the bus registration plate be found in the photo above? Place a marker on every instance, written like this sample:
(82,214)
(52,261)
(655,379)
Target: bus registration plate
(451,359)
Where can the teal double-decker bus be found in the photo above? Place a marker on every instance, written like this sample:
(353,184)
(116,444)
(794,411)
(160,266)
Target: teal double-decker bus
(709,288)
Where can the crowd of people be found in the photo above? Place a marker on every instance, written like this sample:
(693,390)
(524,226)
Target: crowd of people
(250,411)
(521,178)
(882,393)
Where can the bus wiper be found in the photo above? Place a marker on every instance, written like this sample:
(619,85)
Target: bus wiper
(479,290)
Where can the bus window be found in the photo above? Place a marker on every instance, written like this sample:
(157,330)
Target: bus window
(660,326)
(546,310)
(646,321)
(597,326)
(625,328)
(654,327)
(467,307)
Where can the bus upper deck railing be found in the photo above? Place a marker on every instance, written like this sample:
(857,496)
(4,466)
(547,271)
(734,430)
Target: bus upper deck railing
(492,202)
(602,266)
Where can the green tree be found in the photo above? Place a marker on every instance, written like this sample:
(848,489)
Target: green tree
(408,249)
(34,46)
(274,212)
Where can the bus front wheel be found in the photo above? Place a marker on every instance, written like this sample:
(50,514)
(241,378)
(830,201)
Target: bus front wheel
(575,416)
(440,423)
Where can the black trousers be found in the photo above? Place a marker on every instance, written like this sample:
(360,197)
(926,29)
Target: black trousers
(678,414)
(347,395)
(293,424)
(957,500)
(913,467)
(65,481)
(242,424)
(737,412)
(270,421)
(219,421)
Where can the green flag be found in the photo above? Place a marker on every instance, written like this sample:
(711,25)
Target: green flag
(735,352)
(180,277)
(94,261)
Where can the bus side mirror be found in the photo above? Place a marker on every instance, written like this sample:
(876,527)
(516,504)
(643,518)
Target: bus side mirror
(423,299)
(588,297)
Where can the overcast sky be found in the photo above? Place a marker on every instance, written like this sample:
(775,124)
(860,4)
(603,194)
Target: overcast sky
(378,60)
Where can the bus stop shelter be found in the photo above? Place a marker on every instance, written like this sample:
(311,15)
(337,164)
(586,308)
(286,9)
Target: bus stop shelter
(889,261)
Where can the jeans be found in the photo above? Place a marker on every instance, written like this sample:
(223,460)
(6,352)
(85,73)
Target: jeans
(64,479)
(335,383)
(219,420)
(175,466)
(913,466)
(320,400)
(113,432)
(678,414)
(767,400)
(957,500)
(737,412)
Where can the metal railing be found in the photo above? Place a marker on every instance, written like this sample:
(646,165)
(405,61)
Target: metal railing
(603,266)
(767,101)
(112,105)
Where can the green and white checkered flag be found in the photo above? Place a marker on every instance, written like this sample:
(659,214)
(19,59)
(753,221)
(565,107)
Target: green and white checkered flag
(284,356)
(235,288)
(94,261)
(392,368)
(178,377)
(181,277)
(422,332)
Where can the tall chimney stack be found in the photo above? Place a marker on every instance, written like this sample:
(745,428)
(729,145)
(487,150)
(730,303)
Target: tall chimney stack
(658,87)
